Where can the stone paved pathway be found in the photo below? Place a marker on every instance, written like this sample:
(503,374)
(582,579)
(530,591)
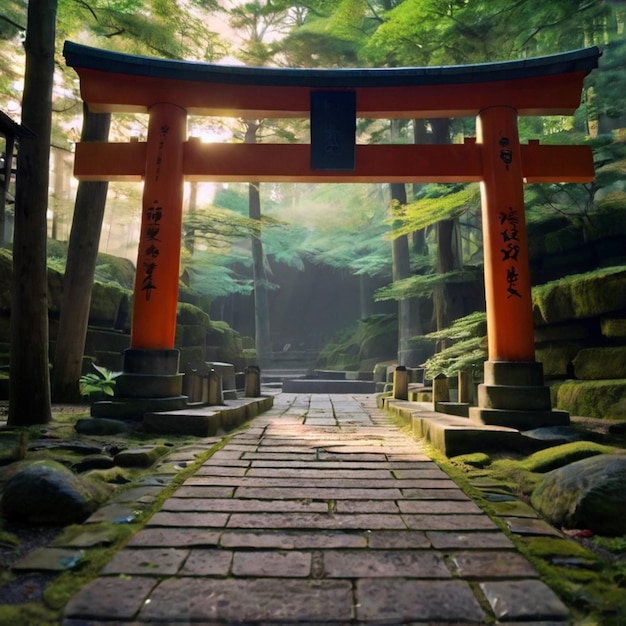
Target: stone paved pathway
(321,512)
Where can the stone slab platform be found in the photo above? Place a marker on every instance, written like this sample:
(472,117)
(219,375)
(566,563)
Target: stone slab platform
(453,434)
(206,421)
(322,511)
(318,385)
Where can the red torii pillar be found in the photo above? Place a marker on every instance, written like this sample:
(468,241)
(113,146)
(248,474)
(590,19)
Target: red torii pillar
(513,393)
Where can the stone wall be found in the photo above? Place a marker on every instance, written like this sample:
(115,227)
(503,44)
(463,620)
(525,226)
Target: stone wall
(580,336)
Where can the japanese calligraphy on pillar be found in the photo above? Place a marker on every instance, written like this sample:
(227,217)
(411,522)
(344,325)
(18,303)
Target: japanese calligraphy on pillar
(152,226)
(151,251)
(506,154)
(162,135)
(510,220)
(511,249)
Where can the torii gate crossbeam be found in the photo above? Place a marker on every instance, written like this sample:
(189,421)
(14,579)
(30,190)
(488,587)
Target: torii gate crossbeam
(496,93)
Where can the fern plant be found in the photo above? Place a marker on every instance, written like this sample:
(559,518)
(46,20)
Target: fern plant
(102,381)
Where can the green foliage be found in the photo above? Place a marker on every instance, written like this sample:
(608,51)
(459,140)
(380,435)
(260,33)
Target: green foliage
(217,274)
(423,285)
(217,227)
(101,381)
(467,351)
(439,202)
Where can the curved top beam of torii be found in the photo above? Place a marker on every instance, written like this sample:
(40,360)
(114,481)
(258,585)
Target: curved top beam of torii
(114,82)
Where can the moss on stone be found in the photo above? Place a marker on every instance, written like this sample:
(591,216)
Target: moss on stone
(558,456)
(613,328)
(580,296)
(31,613)
(557,547)
(607,362)
(605,399)
(477,459)
(557,358)
(190,315)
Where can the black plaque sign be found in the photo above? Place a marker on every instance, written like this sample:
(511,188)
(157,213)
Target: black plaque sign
(333,130)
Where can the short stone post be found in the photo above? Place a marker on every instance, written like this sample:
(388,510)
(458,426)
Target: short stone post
(441,393)
(216,396)
(466,388)
(252,387)
(194,391)
(400,383)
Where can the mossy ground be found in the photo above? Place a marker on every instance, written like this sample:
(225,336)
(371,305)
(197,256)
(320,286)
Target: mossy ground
(588,573)
(64,585)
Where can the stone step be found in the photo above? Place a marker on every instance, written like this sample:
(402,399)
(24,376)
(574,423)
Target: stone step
(314,385)
(452,434)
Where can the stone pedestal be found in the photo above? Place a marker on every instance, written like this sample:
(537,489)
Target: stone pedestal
(150,382)
(514,395)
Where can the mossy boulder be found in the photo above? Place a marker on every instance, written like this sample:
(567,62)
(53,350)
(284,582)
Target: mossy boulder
(600,363)
(581,296)
(588,494)
(558,456)
(604,399)
(46,492)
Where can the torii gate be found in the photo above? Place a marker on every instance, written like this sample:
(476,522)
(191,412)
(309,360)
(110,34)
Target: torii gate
(496,93)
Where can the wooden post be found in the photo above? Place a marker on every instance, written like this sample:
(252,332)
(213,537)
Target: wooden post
(510,329)
(158,258)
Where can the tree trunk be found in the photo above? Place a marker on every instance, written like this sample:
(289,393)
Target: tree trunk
(80,268)
(263,340)
(447,305)
(409,323)
(261,295)
(29,385)
(366,298)
(9,143)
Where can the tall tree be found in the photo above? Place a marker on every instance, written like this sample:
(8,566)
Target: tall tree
(260,22)
(29,399)
(80,269)
(409,323)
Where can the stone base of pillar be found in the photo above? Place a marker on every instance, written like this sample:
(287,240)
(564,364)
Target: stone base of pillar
(136,408)
(150,382)
(514,395)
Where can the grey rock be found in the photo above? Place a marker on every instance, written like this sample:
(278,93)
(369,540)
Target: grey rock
(92,462)
(143,456)
(555,434)
(46,492)
(586,494)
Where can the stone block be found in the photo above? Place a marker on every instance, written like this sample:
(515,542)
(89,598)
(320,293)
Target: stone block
(181,423)
(613,327)
(600,363)
(520,420)
(562,332)
(511,397)
(598,398)
(149,385)
(522,373)
(557,358)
